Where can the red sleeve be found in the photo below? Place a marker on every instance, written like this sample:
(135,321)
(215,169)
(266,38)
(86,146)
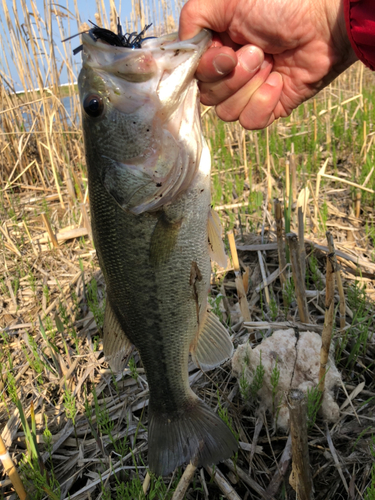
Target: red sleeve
(360,25)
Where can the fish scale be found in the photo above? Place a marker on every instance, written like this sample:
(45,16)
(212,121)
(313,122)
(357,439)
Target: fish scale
(156,263)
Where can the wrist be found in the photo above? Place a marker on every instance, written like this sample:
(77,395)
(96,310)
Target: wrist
(340,32)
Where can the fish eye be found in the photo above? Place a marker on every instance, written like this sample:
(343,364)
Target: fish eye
(93,105)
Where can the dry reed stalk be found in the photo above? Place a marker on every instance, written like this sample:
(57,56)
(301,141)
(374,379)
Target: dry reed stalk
(345,181)
(50,232)
(30,239)
(269,178)
(368,175)
(244,152)
(264,277)
(9,243)
(86,221)
(51,158)
(146,483)
(316,207)
(64,235)
(340,288)
(71,191)
(364,141)
(328,123)
(257,155)
(300,478)
(245,477)
(328,318)
(293,173)
(11,292)
(358,203)
(11,471)
(78,186)
(223,485)
(287,182)
(318,179)
(301,240)
(183,484)
(280,242)
(242,299)
(315,122)
(299,283)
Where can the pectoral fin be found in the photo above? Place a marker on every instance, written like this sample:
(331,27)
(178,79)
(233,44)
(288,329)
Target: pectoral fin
(163,239)
(117,347)
(212,344)
(215,241)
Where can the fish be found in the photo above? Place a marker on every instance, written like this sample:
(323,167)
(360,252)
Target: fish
(154,232)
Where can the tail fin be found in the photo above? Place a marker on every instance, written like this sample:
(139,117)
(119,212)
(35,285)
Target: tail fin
(195,433)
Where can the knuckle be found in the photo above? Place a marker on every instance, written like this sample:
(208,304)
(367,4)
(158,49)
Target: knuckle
(226,113)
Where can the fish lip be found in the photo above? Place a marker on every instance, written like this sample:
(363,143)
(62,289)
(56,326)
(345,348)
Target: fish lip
(164,43)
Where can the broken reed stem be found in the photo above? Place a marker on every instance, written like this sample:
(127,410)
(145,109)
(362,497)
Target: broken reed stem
(269,178)
(146,483)
(318,179)
(264,277)
(11,471)
(358,203)
(299,283)
(328,320)
(300,478)
(187,476)
(280,241)
(86,221)
(233,251)
(340,288)
(50,232)
(301,239)
(71,191)
(242,299)
(293,173)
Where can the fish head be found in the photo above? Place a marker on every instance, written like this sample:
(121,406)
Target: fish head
(140,117)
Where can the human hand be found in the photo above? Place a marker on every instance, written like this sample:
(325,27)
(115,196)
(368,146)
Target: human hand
(305,44)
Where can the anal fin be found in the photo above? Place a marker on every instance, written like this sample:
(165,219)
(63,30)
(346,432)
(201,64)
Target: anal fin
(117,347)
(212,344)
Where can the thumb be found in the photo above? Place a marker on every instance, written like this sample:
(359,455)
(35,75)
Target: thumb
(199,14)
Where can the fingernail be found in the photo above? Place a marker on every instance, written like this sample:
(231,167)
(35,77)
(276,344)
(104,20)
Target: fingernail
(251,59)
(224,64)
(274,79)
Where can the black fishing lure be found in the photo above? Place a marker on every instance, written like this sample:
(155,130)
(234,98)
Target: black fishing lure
(130,40)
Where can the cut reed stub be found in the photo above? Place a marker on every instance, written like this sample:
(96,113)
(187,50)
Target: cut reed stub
(300,478)
(340,288)
(280,241)
(50,232)
(299,283)
(11,471)
(329,315)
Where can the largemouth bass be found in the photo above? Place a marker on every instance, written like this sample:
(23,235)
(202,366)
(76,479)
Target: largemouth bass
(153,228)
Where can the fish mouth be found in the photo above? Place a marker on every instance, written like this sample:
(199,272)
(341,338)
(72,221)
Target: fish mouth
(156,56)
(168,42)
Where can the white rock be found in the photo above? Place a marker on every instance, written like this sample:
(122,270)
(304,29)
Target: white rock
(298,362)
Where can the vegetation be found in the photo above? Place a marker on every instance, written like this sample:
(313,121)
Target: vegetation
(74,428)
